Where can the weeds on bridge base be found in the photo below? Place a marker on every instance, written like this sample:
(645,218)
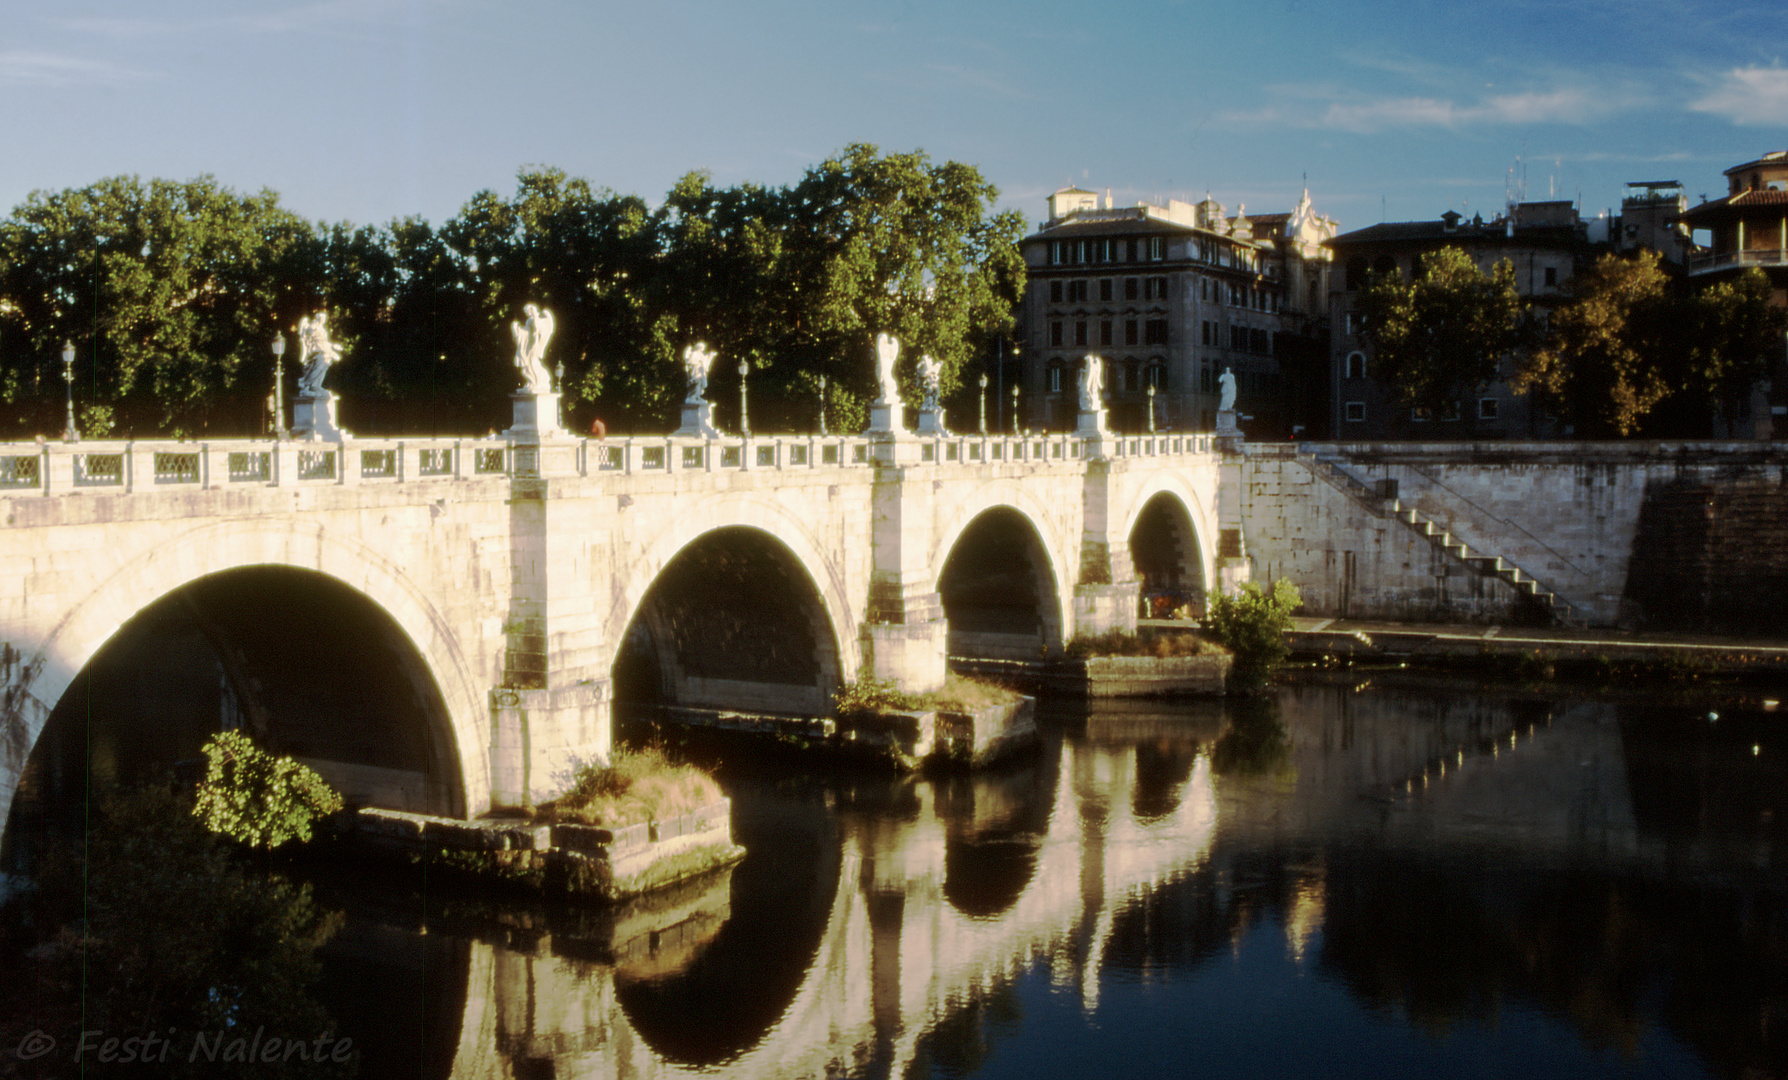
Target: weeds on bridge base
(637,784)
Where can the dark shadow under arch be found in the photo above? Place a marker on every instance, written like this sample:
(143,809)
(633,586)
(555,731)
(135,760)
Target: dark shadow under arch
(1164,550)
(308,665)
(999,590)
(732,622)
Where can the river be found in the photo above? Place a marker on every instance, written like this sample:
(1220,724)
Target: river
(1352,878)
(1348,879)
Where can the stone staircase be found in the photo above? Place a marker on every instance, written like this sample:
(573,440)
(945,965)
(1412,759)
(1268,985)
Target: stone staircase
(1382,501)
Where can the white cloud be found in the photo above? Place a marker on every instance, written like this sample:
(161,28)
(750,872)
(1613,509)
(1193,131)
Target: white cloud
(1749,96)
(51,69)
(1299,106)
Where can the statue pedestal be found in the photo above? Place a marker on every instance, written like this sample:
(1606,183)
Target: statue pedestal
(1092,423)
(887,417)
(313,418)
(931,422)
(536,416)
(1226,422)
(698,421)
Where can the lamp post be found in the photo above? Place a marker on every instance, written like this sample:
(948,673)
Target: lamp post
(822,380)
(279,386)
(70,433)
(744,422)
(1014,408)
(1151,407)
(983,404)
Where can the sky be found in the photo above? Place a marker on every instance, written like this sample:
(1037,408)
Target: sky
(370,110)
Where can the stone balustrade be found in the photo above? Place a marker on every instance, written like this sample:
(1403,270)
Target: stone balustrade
(54,468)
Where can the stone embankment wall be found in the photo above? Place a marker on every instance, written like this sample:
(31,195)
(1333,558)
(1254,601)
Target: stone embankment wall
(1659,535)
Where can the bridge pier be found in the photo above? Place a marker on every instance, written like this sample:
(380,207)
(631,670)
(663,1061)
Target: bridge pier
(1108,592)
(552,708)
(905,637)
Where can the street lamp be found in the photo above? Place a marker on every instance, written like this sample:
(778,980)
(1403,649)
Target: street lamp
(70,433)
(983,404)
(1014,408)
(822,380)
(744,422)
(279,386)
(1151,406)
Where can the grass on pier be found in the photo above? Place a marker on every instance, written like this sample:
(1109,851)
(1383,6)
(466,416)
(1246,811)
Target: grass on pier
(638,784)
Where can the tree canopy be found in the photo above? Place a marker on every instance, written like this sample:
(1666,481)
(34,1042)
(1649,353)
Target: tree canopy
(1628,352)
(1440,335)
(172,293)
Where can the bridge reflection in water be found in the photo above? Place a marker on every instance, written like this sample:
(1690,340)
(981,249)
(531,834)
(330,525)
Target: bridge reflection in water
(1487,868)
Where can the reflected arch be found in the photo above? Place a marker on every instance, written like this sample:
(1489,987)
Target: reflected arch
(733,606)
(1169,531)
(354,571)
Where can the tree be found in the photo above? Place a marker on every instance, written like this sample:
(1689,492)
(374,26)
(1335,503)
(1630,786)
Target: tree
(1626,352)
(1441,335)
(1600,361)
(168,291)
(893,244)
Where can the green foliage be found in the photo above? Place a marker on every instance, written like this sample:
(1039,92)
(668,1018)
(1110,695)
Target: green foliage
(869,695)
(257,799)
(172,292)
(176,937)
(636,784)
(1439,337)
(1252,626)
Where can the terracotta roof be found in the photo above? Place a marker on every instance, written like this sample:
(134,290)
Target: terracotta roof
(1743,200)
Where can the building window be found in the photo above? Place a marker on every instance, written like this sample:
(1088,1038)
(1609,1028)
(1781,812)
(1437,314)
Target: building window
(1449,412)
(1355,366)
(1055,334)
(1552,277)
(1155,288)
(1077,292)
(1105,290)
(1258,342)
(1130,288)
(1080,332)
(1487,408)
(1420,415)
(1158,375)
(1207,332)
(1155,332)
(1238,338)
(1356,273)
(1129,251)
(1055,292)
(1130,376)
(1157,247)
(1356,412)
(1353,322)
(1129,331)
(1055,377)
(1105,331)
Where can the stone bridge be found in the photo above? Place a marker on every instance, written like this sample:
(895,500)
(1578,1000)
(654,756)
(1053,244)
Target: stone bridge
(444,625)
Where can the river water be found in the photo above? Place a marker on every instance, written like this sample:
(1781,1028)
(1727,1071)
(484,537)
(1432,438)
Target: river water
(1347,879)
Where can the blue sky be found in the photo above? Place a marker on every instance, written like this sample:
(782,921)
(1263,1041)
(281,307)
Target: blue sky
(365,110)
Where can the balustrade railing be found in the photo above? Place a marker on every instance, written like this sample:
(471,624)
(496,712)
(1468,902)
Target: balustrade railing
(57,467)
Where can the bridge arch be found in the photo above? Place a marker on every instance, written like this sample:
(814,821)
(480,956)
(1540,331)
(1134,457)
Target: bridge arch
(781,537)
(1168,490)
(1055,613)
(146,578)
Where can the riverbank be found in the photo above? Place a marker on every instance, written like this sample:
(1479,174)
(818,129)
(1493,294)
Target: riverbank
(1594,651)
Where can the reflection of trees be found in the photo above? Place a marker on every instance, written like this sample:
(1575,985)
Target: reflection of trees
(177,934)
(1594,949)
(1255,744)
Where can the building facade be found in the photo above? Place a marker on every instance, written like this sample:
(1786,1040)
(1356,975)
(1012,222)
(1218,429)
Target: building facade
(1546,241)
(1168,297)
